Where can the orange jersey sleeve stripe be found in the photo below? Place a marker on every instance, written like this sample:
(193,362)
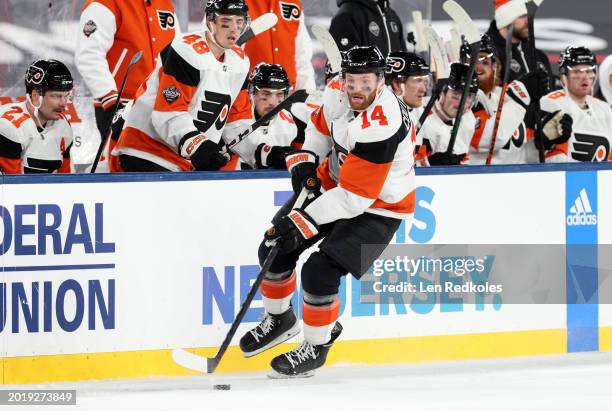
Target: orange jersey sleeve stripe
(319,316)
(362,177)
(10,165)
(241,109)
(318,120)
(559,149)
(404,206)
(172,95)
(323,174)
(278,289)
(137,140)
(484,117)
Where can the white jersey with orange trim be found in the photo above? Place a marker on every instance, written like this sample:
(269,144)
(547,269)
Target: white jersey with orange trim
(591,129)
(512,134)
(26,149)
(371,164)
(436,133)
(189,92)
(280,131)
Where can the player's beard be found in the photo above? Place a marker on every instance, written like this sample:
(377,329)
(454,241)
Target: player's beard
(522,34)
(365,102)
(487,84)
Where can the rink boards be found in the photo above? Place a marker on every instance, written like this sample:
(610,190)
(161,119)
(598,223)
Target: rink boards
(102,276)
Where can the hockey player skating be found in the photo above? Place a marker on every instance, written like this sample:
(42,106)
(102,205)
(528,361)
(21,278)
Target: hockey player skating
(35,136)
(436,131)
(368,187)
(511,134)
(177,122)
(576,125)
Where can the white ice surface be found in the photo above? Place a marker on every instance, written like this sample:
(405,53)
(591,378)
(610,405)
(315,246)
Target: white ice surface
(577,382)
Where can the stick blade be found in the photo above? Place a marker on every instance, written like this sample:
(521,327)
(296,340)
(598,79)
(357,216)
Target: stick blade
(193,361)
(419,31)
(259,25)
(329,46)
(437,53)
(264,22)
(463,20)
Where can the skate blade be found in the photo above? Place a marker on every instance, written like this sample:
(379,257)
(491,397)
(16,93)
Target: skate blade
(274,375)
(292,332)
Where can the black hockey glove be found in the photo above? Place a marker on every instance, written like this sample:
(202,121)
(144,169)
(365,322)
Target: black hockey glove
(303,168)
(293,230)
(271,156)
(118,123)
(537,84)
(445,159)
(205,155)
(104,117)
(557,128)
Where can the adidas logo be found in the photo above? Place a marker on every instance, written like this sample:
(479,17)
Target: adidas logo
(581,211)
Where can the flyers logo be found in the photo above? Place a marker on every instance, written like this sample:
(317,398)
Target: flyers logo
(395,65)
(290,11)
(36,75)
(166,19)
(590,148)
(518,138)
(214,111)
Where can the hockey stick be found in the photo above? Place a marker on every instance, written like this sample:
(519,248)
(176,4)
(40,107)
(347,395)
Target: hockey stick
(298,96)
(454,44)
(502,96)
(419,32)
(466,26)
(104,138)
(208,365)
(329,46)
(532,8)
(440,59)
(259,25)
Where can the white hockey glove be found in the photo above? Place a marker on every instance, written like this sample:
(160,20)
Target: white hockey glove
(557,127)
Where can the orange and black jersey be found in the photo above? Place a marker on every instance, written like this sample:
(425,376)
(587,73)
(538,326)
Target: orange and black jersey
(190,92)
(371,164)
(24,148)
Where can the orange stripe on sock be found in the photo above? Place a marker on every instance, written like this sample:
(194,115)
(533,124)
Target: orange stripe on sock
(278,289)
(319,316)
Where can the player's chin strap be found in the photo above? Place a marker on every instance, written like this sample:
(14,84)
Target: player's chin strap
(35,114)
(211,30)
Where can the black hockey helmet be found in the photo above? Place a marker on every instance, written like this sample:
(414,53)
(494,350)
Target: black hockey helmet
(265,75)
(403,64)
(363,59)
(486,46)
(458,76)
(227,7)
(43,75)
(574,56)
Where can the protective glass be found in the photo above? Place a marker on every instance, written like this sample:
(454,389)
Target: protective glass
(238,23)
(588,72)
(57,96)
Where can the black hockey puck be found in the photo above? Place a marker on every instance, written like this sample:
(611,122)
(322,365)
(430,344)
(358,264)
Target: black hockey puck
(222,387)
